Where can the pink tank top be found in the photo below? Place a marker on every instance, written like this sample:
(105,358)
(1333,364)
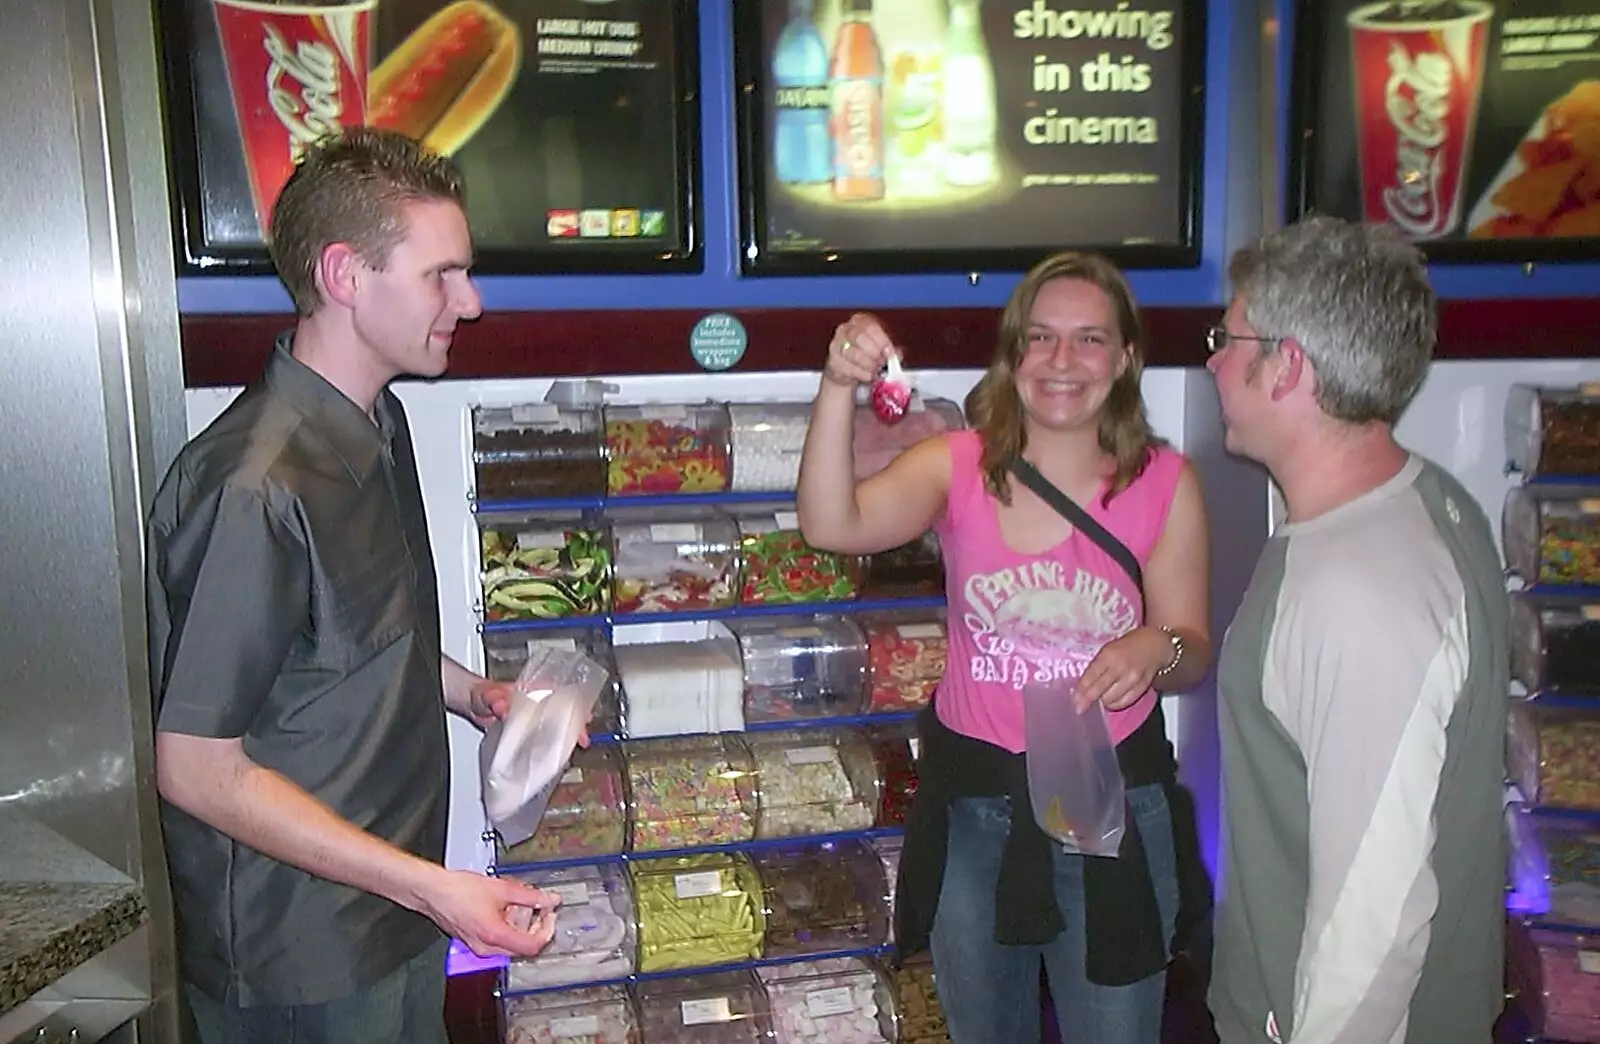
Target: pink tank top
(986,583)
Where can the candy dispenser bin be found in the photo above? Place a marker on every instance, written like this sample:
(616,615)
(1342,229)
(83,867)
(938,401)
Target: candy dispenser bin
(801,667)
(1552,534)
(505,653)
(1555,867)
(689,791)
(1553,431)
(697,911)
(586,814)
(921,1018)
(888,849)
(814,781)
(597,1015)
(721,1008)
(1553,755)
(911,570)
(1556,977)
(536,451)
(877,444)
(822,896)
(676,688)
(666,449)
(594,939)
(1555,644)
(543,566)
(682,560)
(841,1000)
(906,653)
(892,747)
(767,439)
(778,567)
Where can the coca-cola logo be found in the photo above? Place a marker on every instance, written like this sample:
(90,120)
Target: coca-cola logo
(303,88)
(1417,101)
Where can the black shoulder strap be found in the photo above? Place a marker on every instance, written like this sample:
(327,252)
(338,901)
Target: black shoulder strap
(1069,509)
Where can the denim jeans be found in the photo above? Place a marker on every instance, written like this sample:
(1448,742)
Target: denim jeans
(990,991)
(406,1007)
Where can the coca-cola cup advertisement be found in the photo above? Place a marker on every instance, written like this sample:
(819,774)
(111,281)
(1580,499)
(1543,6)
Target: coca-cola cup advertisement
(565,117)
(1475,123)
(1417,82)
(296,72)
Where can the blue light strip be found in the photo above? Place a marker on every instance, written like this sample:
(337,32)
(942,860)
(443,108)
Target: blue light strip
(747,847)
(732,612)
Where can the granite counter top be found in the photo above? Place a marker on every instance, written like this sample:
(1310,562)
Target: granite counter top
(59,907)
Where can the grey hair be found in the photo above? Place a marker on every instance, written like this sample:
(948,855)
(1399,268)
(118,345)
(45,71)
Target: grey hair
(1356,298)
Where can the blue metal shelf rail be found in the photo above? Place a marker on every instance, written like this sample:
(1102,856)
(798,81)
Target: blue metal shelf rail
(760,845)
(504,993)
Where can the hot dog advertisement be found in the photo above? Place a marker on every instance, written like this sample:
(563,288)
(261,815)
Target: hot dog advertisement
(562,114)
(1476,123)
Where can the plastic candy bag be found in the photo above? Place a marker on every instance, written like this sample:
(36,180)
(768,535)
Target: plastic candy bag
(1074,780)
(522,758)
(891,393)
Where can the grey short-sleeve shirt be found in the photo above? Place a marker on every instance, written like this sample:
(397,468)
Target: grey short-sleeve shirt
(292,602)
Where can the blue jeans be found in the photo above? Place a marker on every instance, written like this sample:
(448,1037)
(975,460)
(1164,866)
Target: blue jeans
(990,991)
(405,1007)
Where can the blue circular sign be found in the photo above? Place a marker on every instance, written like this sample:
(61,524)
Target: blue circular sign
(717,341)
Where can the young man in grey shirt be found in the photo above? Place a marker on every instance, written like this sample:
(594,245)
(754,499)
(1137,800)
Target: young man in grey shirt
(1363,681)
(295,651)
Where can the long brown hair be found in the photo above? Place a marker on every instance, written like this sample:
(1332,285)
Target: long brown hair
(994,409)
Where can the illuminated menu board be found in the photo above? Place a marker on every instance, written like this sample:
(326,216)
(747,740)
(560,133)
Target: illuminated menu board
(1472,126)
(967,135)
(566,117)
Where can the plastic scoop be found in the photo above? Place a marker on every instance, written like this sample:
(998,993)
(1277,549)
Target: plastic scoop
(891,394)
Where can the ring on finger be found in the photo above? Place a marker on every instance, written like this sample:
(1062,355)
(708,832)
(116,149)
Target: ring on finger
(844,349)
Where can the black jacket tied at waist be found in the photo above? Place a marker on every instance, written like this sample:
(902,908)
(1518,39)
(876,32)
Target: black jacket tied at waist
(1123,920)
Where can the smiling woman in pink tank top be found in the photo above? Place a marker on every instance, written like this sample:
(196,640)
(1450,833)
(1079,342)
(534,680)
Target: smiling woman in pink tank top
(979,881)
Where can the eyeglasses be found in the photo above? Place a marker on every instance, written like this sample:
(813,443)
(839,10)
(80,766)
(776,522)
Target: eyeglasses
(1218,338)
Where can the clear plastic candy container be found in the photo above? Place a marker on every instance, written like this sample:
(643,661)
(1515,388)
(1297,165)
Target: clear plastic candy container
(921,1018)
(877,444)
(679,688)
(889,847)
(893,748)
(1553,431)
(767,440)
(1552,534)
(906,653)
(1555,645)
(822,897)
(1553,755)
(814,781)
(536,451)
(586,814)
(597,1015)
(1555,867)
(910,570)
(778,567)
(673,561)
(841,1000)
(1556,977)
(801,667)
(544,567)
(721,1008)
(697,911)
(667,448)
(594,940)
(698,790)
(506,652)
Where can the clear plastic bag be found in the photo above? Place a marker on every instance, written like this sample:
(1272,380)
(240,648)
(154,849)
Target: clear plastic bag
(1074,781)
(522,758)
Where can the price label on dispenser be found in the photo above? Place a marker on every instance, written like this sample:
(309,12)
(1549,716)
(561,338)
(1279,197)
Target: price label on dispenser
(698,885)
(822,1003)
(706,1009)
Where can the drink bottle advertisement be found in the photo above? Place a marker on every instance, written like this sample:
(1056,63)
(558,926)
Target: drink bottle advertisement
(562,114)
(884,135)
(1475,124)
